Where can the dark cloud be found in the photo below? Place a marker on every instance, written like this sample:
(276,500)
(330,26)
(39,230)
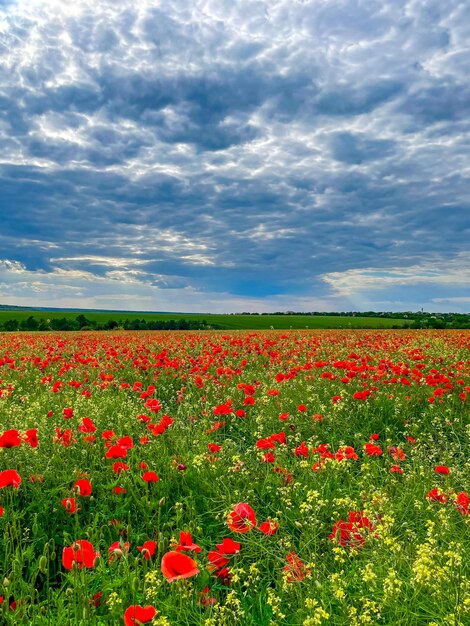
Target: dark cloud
(256,150)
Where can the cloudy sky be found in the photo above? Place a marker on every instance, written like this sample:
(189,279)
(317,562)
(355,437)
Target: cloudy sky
(229,155)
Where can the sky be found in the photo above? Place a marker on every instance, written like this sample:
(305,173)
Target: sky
(235,155)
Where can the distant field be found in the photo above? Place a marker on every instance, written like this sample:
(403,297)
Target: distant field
(228,322)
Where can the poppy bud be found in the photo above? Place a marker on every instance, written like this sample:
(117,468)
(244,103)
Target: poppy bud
(6,582)
(135,584)
(42,565)
(161,502)
(69,591)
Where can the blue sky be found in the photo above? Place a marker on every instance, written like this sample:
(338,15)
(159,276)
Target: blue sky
(235,155)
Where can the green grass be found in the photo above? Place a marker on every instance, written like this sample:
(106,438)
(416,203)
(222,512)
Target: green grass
(228,322)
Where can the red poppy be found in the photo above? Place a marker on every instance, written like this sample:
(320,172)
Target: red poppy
(116,452)
(10,439)
(213,447)
(119,467)
(268,457)
(436,495)
(83,487)
(295,568)
(217,560)
(269,527)
(118,549)
(396,469)
(351,533)
(346,452)
(87,426)
(302,450)
(31,436)
(70,505)
(441,469)
(10,477)
(186,543)
(302,408)
(67,413)
(462,502)
(81,552)
(150,477)
(2,511)
(176,565)
(265,444)
(136,614)
(397,454)
(242,519)
(228,546)
(372,449)
(119,490)
(148,549)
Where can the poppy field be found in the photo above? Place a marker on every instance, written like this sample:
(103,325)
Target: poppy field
(218,478)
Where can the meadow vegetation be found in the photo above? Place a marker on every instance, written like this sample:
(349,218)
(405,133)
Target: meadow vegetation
(291,478)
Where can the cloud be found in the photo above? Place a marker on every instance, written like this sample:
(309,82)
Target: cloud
(259,150)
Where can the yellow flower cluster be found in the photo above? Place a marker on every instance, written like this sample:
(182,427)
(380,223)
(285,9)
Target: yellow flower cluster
(319,613)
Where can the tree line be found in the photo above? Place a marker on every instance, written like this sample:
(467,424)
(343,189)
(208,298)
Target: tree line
(81,322)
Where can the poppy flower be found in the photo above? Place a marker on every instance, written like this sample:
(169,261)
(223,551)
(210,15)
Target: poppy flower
(81,552)
(351,533)
(116,452)
(119,490)
(268,457)
(148,549)
(10,478)
(87,426)
(70,505)
(119,467)
(118,549)
(186,543)
(269,527)
(242,519)
(372,449)
(83,487)
(213,447)
(150,477)
(2,511)
(136,614)
(217,560)
(265,444)
(441,469)
(435,495)
(228,546)
(67,413)
(462,502)
(346,452)
(31,436)
(176,566)
(295,568)
(10,439)
(302,450)
(396,469)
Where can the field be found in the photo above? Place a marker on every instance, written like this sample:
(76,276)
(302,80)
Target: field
(227,322)
(292,478)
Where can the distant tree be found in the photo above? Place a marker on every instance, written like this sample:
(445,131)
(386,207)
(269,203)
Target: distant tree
(11,325)
(31,323)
